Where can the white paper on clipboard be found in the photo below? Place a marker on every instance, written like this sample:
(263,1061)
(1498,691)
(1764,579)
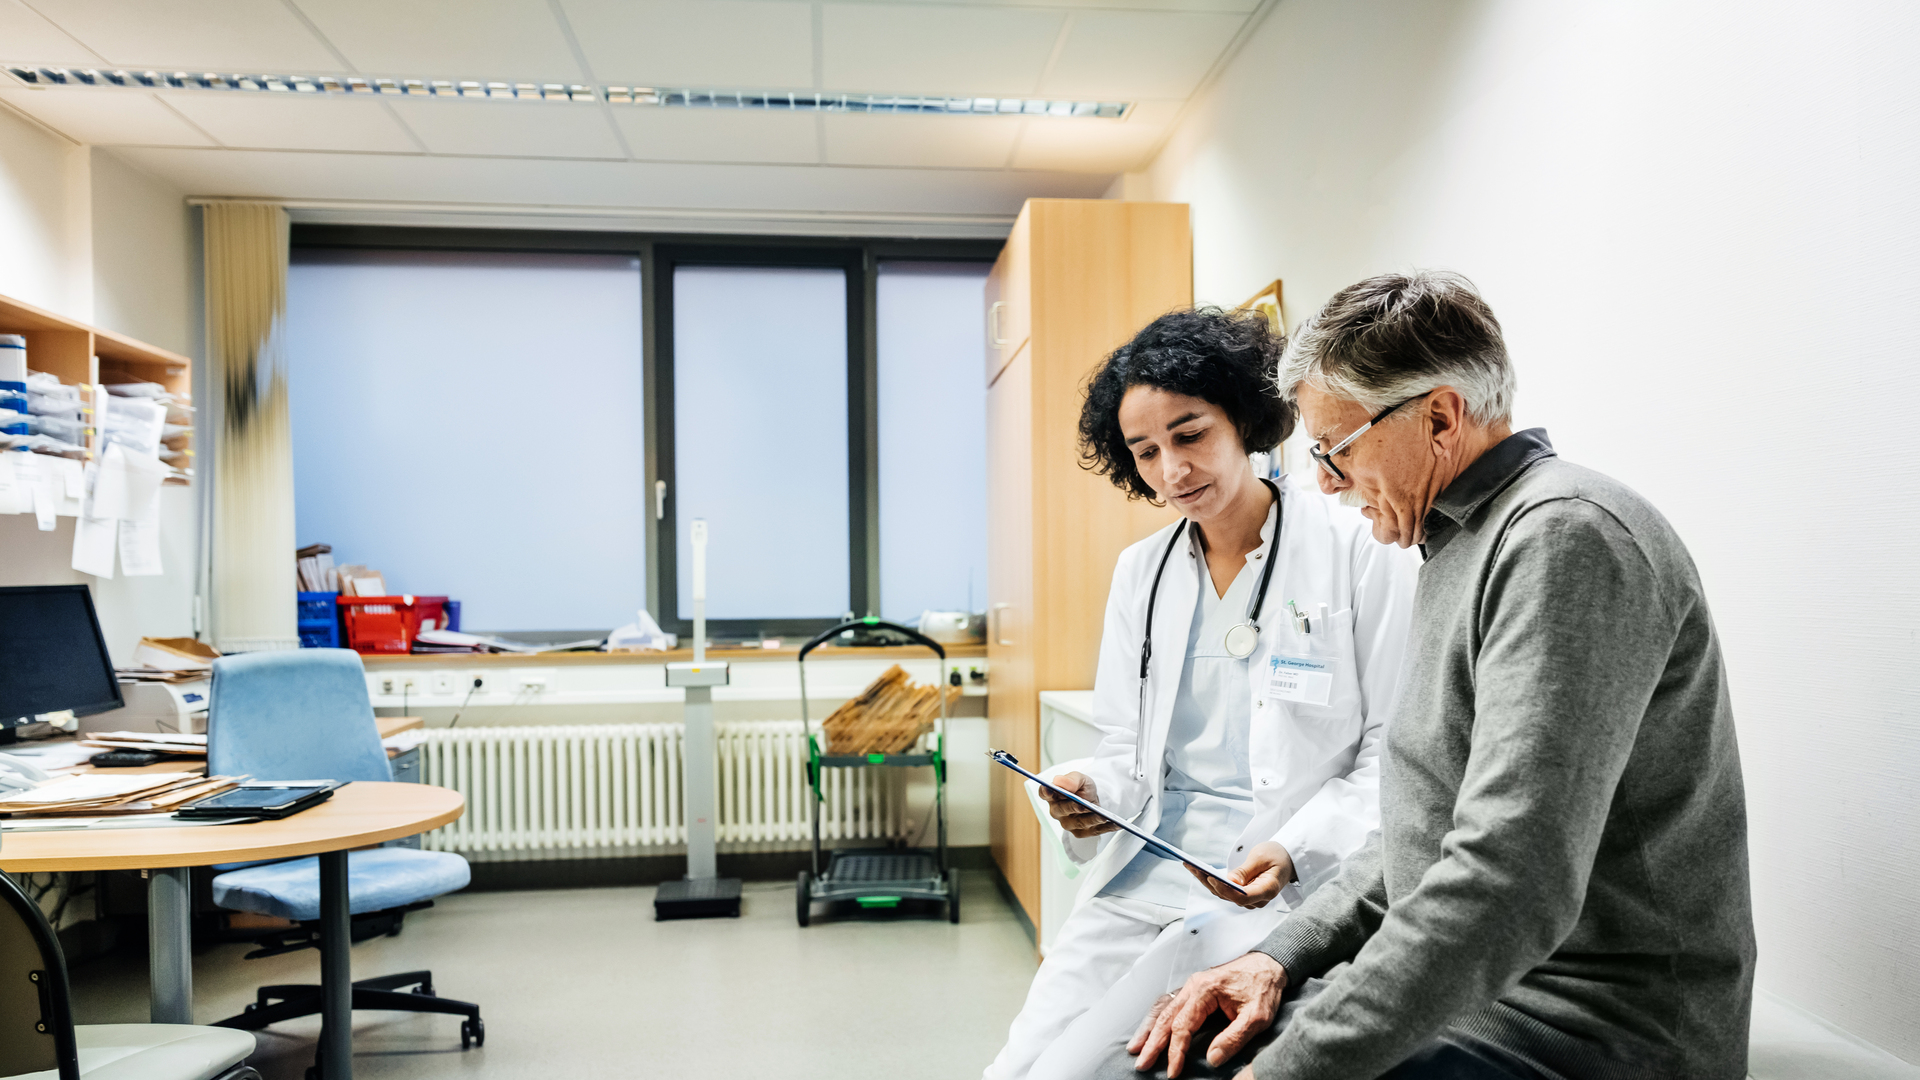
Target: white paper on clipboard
(1152,841)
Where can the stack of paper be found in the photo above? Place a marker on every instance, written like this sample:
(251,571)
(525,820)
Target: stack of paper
(148,421)
(156,675)
(314,564)
(357,580)
(453,641)
(51,756)
(153,742)
(98,794)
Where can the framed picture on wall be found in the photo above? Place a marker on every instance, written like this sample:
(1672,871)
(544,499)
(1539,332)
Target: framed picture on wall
(1267,302)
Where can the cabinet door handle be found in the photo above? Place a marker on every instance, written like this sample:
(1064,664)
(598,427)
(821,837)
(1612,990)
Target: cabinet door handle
(659,500)
(993,325)
(1000,624)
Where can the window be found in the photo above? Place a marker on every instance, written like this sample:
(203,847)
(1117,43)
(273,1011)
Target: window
(471,424)
(760,438)
(529,422)
(933,438)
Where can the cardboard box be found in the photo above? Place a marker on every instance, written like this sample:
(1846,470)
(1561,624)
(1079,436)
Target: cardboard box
(175,654)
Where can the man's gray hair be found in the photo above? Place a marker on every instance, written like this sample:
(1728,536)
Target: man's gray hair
(1396,336)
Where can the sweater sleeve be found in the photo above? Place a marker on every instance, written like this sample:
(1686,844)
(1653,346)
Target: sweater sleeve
(1335,921)
(1573,640)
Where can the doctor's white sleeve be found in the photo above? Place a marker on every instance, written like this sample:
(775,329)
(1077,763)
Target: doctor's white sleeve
(1337,819)
(1116,704)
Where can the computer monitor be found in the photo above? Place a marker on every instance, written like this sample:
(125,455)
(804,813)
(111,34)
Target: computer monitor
(52,655)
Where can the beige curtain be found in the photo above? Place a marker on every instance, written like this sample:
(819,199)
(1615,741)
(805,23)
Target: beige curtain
(252,568)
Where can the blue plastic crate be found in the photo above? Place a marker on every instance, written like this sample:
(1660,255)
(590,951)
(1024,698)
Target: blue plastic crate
(319,620)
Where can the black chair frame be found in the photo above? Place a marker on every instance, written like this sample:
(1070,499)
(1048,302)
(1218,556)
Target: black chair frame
(289,1001)
(55,1020)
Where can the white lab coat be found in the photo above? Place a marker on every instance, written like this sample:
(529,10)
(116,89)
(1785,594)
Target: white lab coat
(1316,769)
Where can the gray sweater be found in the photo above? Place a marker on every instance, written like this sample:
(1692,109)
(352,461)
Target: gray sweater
(1561,866)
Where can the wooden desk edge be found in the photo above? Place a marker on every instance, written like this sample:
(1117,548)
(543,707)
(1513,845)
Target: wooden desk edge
(13,863)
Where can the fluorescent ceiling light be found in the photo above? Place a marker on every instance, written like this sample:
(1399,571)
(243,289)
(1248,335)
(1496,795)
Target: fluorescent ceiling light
(661,97)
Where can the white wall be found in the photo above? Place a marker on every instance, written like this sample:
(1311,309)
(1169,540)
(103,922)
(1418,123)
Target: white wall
(87,236)
(45,219)
(1696,221)
(147,280)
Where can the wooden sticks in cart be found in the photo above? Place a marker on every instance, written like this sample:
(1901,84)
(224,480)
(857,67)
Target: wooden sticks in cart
(887,717)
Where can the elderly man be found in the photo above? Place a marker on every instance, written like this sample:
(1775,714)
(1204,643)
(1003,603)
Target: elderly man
(1559,885)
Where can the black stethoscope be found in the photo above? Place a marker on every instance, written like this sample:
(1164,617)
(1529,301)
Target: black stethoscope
(1242,638)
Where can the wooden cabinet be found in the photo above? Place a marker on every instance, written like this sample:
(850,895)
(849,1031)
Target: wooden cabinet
(1076,280)
(1009,300)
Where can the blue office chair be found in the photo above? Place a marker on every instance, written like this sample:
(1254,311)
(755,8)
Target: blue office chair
(304,715)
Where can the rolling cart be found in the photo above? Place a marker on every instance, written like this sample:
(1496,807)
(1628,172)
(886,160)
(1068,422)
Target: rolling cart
(878,878)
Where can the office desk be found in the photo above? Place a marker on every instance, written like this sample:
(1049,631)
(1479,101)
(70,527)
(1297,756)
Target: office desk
(388,725)
(359,815)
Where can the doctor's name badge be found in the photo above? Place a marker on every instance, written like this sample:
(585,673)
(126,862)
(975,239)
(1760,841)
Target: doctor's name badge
(1299,678)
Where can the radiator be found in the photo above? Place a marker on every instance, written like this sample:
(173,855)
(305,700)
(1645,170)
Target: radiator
(583,791)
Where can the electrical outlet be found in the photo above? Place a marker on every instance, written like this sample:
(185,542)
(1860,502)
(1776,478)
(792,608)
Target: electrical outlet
(476,682)
(442,683)
(533,682)
(389,684)
(409,684)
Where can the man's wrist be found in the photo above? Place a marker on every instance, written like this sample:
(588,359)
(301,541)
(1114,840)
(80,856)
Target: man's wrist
(1271,967)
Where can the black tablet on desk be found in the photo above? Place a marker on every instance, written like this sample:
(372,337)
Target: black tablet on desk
(258,800)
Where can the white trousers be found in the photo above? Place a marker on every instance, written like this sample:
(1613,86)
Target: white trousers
(1112,959)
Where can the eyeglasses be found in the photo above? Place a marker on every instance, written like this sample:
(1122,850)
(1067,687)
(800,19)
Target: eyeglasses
(1326,459)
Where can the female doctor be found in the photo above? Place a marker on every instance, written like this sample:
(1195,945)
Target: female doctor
(1250,656)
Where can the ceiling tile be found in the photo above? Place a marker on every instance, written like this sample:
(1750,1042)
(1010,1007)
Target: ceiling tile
(981,142)
(1242,6)
(1098,146)
(748,44)
(473,39)
(1138,55)
(27,35)
(911,49)
(286,122)
(719,135)
(254,35)
(110,118)
(511,128)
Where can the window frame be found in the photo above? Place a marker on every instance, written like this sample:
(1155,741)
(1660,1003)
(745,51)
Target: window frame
(659,253)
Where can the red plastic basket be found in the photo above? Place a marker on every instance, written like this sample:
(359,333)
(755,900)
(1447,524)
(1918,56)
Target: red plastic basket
(388,624)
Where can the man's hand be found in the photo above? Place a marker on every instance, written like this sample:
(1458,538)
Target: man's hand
(1247,990)
(1071,817)
(1268,869)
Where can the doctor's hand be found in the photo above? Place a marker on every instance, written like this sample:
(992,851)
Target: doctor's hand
(1268,869)
(1070,816)
(1247,990)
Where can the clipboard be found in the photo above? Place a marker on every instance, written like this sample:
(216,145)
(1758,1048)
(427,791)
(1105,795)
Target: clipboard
(1152,841)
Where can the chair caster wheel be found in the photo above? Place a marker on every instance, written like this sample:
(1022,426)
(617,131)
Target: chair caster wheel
(425,989)
(472,1033)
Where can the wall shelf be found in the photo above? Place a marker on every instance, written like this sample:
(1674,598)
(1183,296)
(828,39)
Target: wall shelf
(84,356)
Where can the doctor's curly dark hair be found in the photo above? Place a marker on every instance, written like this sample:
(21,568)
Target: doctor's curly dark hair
(1224,357)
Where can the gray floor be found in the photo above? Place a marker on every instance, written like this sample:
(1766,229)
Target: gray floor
(583,983)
